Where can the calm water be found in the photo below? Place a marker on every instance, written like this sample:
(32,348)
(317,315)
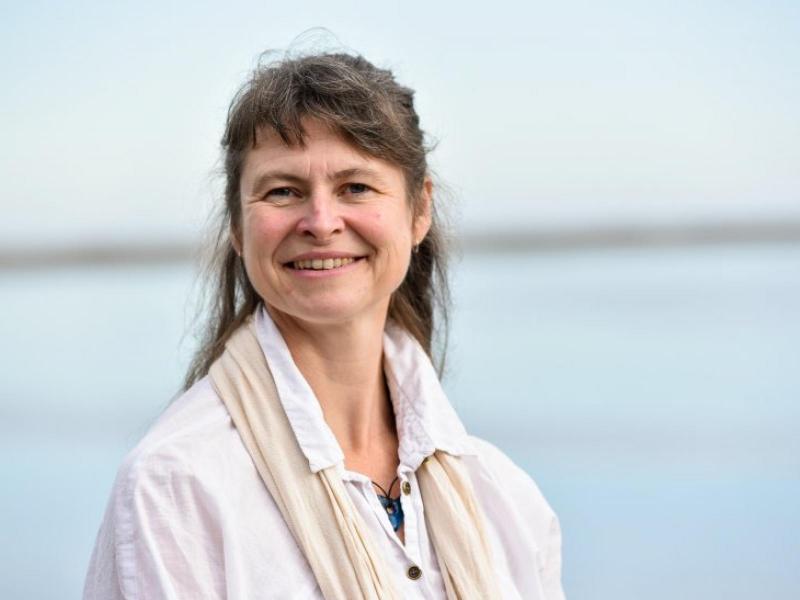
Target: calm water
(654,396)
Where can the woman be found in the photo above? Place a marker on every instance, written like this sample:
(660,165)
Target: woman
(313,453)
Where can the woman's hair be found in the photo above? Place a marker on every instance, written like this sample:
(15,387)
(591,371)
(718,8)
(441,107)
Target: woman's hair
(368,108)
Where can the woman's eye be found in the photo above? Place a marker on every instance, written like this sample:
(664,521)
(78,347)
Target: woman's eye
(280,192)
(356,188)
(282,195)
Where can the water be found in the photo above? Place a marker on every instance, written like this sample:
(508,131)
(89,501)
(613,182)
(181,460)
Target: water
(652,394)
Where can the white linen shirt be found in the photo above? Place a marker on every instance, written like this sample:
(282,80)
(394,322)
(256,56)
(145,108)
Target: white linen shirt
(189,517)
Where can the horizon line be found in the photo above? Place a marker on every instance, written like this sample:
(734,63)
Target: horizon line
(495,241)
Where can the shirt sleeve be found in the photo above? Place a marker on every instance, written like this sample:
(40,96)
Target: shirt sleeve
(160,537)
(533,510)
(551,571)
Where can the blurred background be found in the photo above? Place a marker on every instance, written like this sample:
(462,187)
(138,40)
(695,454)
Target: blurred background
(626,178)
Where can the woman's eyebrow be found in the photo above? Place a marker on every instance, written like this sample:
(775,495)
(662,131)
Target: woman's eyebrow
(267,178)
(356,172)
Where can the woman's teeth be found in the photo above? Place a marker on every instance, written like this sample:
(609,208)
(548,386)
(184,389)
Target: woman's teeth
(319,264)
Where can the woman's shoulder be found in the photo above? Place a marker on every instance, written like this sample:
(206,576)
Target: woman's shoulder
(187,485)
(190,430)
(191,448)
(504,483)
(501,469)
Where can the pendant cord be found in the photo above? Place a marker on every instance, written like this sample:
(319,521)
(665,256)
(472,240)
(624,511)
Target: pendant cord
(385,493)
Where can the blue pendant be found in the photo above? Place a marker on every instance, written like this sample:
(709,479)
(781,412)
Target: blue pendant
(393,509)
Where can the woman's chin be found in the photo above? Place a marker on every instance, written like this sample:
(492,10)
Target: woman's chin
(332,311)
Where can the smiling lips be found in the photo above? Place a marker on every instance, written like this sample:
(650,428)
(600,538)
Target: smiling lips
(321,264)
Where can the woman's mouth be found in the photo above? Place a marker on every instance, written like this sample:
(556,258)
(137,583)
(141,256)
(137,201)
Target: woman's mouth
(322,264)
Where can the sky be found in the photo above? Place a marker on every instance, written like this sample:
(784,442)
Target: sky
(546,115)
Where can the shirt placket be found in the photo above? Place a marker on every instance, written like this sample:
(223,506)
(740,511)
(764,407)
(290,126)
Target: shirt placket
(411,575)
(411,501)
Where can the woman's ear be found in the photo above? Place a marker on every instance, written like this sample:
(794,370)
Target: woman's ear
(235,241)
(423,212)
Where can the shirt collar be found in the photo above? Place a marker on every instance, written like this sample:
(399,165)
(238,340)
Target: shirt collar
(426,421)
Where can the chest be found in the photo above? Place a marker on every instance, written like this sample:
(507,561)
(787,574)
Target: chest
(263,561)
(261,549)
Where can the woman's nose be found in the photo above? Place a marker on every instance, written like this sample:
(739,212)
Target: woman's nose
(321,218)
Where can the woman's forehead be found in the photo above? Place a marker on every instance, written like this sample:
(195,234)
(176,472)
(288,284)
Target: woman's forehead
(298,135)
(323,151)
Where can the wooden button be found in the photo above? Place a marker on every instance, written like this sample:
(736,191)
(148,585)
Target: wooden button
(414,572)
(406,488)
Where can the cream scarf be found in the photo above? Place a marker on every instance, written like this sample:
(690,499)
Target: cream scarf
(318,509)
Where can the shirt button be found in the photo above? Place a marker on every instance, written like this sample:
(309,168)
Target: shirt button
(407,490)
(414,572)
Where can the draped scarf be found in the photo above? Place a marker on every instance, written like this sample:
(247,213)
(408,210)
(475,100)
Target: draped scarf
(318,509)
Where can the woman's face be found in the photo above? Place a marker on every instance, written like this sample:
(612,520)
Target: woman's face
(326,232)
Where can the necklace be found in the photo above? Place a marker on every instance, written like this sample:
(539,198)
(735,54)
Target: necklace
(391,505)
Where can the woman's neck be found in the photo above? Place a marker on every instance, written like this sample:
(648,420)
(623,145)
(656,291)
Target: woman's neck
(343,364)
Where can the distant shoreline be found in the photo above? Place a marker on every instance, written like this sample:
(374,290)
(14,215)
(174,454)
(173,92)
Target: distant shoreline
(700,234)
(495,241)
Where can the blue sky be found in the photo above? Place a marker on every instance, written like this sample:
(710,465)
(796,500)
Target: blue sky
(547,115)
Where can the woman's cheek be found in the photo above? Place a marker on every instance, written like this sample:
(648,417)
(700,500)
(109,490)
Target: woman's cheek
(267,229)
